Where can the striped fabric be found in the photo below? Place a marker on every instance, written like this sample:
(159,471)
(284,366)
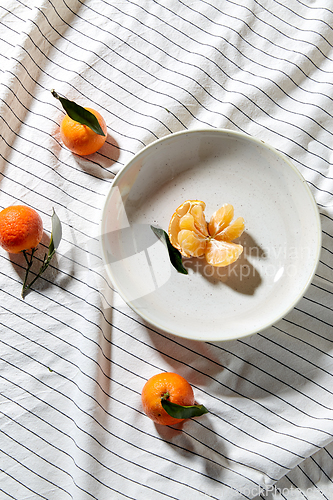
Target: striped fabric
(74,356)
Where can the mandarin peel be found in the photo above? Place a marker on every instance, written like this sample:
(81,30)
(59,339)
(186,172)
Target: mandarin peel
(193,236)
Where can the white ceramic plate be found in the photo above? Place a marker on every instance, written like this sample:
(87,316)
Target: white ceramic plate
(282,239)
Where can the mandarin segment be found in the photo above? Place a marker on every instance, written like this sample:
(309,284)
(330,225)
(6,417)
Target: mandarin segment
(220,219)
(190,233)
(188,216)
(187,222)
(200,223)
(188,205)
(192,244)
(222,253)
(233,231)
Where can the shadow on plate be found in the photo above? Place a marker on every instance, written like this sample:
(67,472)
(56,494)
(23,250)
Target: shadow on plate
(241,276)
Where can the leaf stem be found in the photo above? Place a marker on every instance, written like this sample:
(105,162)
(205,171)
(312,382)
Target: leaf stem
(54,93)
(56,235)
(29,264)
(44,266)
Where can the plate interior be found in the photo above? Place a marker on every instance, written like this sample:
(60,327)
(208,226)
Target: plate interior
(281,241)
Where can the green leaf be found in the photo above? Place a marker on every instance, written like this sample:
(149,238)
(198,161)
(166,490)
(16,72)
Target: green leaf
(79,114)
(174,254)
(56,233)
(178,411)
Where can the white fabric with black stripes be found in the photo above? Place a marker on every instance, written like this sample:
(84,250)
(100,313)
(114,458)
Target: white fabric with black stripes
(74,357)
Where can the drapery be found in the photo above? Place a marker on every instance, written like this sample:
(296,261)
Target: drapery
(74,356)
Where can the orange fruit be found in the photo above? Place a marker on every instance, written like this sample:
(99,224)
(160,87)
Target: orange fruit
(190,233)
(189,222)
(168,385)
(21,228)
(80,139)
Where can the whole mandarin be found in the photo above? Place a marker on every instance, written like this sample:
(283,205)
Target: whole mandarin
(21,228)
(158,386)
(80,139)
